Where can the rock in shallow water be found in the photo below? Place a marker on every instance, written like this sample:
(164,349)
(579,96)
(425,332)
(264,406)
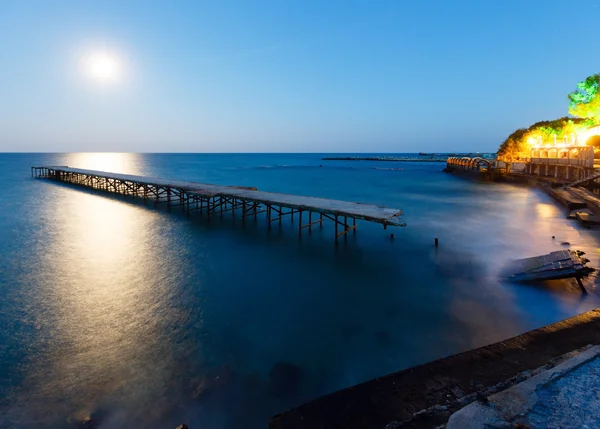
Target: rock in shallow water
(85,420)
(87,423)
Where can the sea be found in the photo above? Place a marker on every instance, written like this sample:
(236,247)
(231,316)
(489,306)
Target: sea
(118,314)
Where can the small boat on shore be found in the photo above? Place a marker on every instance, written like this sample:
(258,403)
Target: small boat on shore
(561,264)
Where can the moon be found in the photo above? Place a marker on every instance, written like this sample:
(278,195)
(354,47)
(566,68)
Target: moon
(102,67)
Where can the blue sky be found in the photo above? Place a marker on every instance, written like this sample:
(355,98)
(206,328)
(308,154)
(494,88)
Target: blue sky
(289,76)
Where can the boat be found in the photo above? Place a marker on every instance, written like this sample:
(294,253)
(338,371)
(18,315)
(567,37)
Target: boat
(561,264)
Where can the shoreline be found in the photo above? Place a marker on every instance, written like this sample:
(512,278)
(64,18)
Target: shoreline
(571,198)
(425,396)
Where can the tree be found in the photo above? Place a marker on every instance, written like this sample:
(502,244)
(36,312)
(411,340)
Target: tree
(513,145)
(517,143)
(585,100)
(584,103)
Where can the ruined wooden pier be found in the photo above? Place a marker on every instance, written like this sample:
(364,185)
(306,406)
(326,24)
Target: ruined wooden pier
(561,264)
(213,200)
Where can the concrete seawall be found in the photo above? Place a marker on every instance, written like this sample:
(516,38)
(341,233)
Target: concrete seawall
(425,396)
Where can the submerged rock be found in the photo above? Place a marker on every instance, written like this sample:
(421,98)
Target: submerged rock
(87,422)
(182,426)
(199,385)
(284,379)
(204,385)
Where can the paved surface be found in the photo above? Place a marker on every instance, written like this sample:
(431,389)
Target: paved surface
(572,401)
(566,396)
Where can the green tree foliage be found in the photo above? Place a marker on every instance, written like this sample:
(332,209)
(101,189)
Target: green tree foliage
(517,142)
(513,144)
(584,103)
(585,100)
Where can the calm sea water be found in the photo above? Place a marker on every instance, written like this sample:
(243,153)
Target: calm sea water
(139,317)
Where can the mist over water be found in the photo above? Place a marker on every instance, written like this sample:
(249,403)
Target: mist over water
(141,317)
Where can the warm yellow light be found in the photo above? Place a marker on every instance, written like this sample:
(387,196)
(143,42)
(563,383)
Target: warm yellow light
(102,67)
(126,163)
(584,135)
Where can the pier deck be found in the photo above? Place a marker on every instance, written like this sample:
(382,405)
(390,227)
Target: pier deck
(216,199)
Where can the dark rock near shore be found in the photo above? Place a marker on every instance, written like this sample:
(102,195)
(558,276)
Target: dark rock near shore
(205,385)
(481,398)
(88,422)
(284,379)
(182,427)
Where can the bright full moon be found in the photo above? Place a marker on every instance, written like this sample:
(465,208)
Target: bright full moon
(102,67)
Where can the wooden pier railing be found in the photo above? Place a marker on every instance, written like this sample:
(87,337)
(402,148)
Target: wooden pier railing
(215,199)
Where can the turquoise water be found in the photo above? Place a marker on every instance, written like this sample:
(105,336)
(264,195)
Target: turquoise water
(137,317)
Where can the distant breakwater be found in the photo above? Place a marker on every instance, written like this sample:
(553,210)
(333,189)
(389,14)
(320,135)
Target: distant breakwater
(469,154)
(384,158)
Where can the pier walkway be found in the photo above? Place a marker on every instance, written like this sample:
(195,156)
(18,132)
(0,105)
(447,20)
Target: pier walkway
(216,200)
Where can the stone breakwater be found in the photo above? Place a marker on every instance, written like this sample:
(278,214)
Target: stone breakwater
(384,158)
